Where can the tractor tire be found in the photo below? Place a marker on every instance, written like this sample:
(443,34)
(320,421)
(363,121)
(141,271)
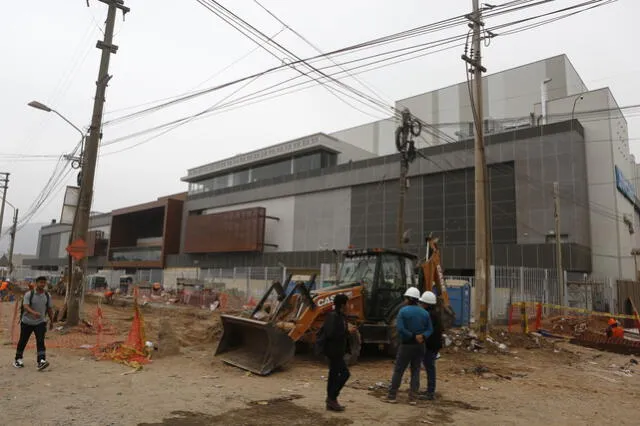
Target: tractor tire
(355,344)
(392,348)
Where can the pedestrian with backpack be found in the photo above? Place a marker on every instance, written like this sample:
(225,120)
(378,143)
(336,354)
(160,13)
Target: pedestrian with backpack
(333,341)
(36,305)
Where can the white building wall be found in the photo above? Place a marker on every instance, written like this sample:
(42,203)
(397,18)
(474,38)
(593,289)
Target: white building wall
(509,94)
(279,232)
(606,146)
(322,220)
(373,137)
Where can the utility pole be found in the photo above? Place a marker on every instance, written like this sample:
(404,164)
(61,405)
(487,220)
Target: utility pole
(14,229)
(81,225)
(407,149)
(482,225)
(556,214)
(4,181)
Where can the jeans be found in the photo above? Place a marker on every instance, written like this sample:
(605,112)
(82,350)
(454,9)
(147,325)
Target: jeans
(25,333)
(429,361)
(338,376)
(409,355)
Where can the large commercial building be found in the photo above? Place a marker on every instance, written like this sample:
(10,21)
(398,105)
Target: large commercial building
(294,202)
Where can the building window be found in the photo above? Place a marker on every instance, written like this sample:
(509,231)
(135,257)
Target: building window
(307,162)
(329,159)
(241,177)
(270,171)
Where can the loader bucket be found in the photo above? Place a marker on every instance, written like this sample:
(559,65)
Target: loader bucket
(253,345)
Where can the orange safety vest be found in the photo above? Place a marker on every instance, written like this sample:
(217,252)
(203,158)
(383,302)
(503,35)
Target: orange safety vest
(4,286)
(618,332)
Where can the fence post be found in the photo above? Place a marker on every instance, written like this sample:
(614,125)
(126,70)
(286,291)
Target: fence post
(492,292)
(565,290)
(538,316)
(522,284)
(546,295)
(524,319)
(284,277)
(248,292)
(266,278)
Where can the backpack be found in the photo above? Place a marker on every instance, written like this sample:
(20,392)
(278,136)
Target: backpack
(30,303)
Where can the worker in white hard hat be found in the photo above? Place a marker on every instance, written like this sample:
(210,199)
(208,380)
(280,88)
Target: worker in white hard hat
(414,327)
(433,344)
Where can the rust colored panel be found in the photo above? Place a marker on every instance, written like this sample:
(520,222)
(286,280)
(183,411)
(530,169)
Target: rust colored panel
(233,231)
(172,227)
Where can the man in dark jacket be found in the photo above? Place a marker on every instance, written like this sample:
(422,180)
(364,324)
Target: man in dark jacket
(335,346)
(433,344)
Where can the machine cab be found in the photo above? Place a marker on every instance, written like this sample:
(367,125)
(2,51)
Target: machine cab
(384,276)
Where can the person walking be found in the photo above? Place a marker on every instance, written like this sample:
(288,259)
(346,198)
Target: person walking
(36,304)
(414,327)
(335,333)
(433,344)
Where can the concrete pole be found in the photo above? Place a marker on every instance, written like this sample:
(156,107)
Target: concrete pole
(81,228)
(556,202)
(5,185)
(14,229)
(482,234)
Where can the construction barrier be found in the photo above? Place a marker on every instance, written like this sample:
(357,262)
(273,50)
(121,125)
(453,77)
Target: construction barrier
(563,320)
(95,333)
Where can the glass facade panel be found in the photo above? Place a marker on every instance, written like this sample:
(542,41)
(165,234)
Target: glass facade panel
(269,171)
(307,162)
(151,254)
(241,177)
(302,163)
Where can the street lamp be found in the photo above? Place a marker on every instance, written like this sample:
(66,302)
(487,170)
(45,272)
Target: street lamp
(575,101)
(43,107)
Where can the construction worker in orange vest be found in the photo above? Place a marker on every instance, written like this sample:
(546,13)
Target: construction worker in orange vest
(615,329)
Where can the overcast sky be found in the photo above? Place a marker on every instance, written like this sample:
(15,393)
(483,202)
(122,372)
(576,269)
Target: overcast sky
(168,47)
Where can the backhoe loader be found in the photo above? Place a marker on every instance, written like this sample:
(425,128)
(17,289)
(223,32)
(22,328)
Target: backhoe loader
(373,279)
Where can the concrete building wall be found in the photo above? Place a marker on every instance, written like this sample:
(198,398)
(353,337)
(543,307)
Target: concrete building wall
(606,144)
(322,220)
(277,232)
(373,137)
(509,94)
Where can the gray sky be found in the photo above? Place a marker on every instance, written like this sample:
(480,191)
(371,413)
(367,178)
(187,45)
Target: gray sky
(168,47)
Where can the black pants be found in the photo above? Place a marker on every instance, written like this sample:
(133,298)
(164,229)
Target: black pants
(429,362)
(409,355)
(338,376)
(25,333)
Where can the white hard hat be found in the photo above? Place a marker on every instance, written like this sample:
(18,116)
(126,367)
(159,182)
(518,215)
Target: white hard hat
(429,298)
(412,292)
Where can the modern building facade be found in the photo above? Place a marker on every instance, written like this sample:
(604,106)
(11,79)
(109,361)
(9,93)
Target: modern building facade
(295,202)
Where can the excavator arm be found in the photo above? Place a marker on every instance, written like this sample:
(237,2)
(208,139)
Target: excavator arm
(433,280)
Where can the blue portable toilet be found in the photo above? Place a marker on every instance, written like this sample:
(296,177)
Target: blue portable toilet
(460,300)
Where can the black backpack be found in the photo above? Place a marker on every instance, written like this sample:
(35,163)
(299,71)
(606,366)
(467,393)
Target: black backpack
(30,303)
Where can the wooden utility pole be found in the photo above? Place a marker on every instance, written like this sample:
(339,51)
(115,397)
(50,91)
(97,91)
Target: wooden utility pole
(81,225)
(556,215)
(406,147)
(4,181)
(482,224)
(14,229)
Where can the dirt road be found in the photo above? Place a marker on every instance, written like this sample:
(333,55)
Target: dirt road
(570,385)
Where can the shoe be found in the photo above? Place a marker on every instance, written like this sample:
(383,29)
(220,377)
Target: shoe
(390,399)
(428,396)
(438,355)
(43,364)
(412,399)
(334,406)
(18,363)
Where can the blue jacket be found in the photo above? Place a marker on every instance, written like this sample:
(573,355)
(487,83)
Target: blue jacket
(411,321)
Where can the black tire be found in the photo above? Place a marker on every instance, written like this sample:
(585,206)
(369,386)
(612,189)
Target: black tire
(355,343)
(392,347)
